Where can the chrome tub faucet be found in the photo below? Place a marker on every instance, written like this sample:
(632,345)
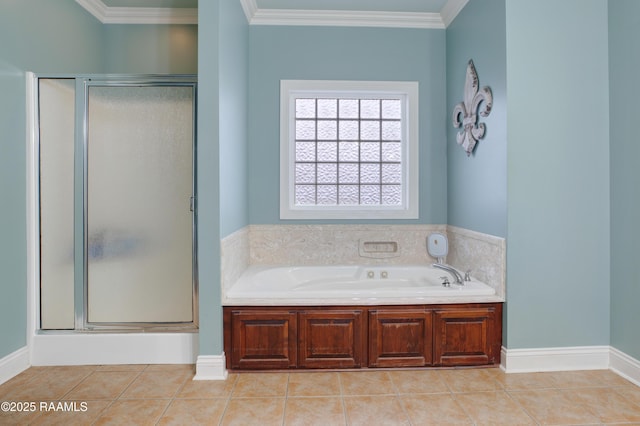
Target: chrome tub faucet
(451,270)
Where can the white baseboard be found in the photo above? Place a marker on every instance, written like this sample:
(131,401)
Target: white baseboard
(211,367)
(625,366)
(114,348)
(14,364)
(555,359)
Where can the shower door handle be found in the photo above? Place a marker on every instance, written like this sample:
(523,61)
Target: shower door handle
(192,204)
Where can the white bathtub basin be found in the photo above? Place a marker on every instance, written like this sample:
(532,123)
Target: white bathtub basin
(351,283)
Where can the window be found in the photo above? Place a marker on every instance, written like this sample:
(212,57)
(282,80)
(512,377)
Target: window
(349,150)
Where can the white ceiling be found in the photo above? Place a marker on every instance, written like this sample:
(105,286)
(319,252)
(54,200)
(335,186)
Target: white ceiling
(386,13)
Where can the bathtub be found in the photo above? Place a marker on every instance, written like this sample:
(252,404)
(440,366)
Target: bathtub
(343,285)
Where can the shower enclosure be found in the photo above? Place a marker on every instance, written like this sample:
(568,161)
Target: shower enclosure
(116,201)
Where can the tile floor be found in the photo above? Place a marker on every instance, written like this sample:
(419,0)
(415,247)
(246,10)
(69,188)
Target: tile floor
(166,395)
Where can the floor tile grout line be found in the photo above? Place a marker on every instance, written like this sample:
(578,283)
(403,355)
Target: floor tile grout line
(446,383)
(344,404)
(76,385)
(393,384)
(229,396)
(522,407)
(224,410)
(129,385)
(404,409)
(626,398)
(286,398)
(163,411)
(94,370)
(117,398)
(173,398)
(462,407)
(97,370)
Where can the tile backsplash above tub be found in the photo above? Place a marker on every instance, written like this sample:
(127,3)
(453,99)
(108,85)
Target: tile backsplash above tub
(361,244)
(484,255)
(337,244)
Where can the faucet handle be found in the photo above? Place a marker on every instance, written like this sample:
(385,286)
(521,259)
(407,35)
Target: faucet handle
(445,281)
(467,275)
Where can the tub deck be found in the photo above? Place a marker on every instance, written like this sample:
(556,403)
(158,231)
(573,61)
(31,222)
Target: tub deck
(352,285)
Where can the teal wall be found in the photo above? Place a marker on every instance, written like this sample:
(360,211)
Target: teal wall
(624,63)
(571,203)
(234,74)
(150,49)
(339,53)
(558,173)
(222,151)
(45,36)
(39,36)
(208,178)
(477,184)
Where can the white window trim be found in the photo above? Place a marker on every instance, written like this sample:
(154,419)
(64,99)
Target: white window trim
(290,89)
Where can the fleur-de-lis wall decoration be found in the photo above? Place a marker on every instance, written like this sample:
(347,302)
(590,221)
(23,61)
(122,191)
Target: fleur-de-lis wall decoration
(473,97)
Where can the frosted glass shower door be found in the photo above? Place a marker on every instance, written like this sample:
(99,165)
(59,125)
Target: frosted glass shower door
(56,124)
(139,184)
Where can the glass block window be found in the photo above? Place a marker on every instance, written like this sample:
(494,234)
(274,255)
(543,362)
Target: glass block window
(348,149)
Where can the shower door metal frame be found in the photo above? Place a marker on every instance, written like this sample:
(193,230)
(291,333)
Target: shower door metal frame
(81,240)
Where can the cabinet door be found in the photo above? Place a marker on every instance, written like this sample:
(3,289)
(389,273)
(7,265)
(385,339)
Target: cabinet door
(400,337)
(467,336)
(263,339)
(331,339)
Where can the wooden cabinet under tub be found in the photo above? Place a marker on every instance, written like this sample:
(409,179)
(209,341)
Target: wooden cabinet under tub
(333,337)
(262,338)
(467,335)
(400,337)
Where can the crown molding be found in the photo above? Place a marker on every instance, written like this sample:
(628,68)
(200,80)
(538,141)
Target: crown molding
(250,8)
(256,16)
(346,18)
(94,7)
(451,9)
(139,15)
